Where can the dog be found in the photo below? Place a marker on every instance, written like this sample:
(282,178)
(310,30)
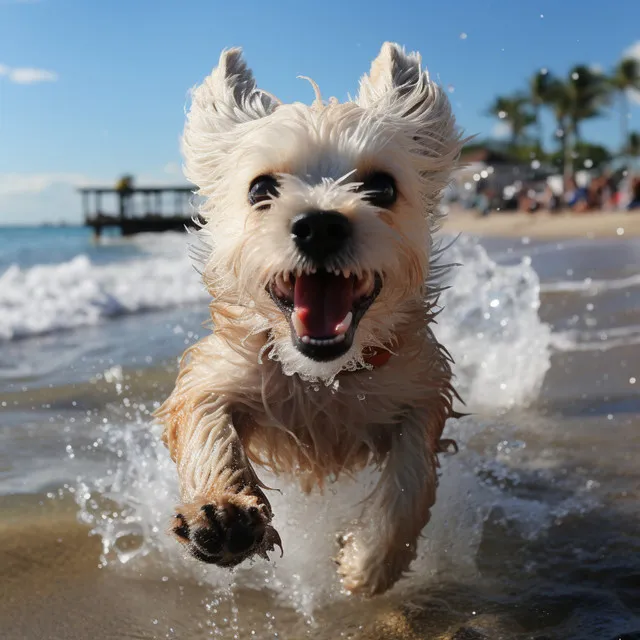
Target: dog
(323,272)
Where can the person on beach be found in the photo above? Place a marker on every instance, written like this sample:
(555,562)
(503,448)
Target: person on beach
(575,198)
(635,195)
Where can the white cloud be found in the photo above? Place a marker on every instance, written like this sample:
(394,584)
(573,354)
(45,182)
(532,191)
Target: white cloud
(24,183)
(27,75)
(633,52)
(501,130)
(40,199)
(32,198)
(28,198)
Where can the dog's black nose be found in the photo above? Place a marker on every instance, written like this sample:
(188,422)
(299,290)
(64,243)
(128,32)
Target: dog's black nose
(321,234)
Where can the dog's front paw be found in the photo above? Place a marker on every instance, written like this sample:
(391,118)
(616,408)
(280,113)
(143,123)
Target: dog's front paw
(368,570)
(226,532)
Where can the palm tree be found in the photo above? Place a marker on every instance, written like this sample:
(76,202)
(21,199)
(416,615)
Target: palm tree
(589,92)
(578,98)
(559,98)
(625,77)
(539,85)
(514,110)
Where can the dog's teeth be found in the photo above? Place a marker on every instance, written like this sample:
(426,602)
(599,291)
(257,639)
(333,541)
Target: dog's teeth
(298,325)
(322,342)
(283,286)
(312,269)
(346,273)
(286,276)
(343,326)
(364,286)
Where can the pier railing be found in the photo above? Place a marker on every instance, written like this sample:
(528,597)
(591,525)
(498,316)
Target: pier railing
(138,209)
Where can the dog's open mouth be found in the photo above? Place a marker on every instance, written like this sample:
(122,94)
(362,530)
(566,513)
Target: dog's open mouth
(324,308)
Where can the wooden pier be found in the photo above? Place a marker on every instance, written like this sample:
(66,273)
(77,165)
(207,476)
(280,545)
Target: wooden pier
(137,209)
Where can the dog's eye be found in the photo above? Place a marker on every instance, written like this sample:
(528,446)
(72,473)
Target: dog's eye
(263,189)
(380,190)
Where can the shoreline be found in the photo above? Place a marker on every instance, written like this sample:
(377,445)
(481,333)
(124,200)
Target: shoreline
(543,225)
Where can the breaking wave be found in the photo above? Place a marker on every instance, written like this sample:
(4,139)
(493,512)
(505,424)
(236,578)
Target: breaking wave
(49,298)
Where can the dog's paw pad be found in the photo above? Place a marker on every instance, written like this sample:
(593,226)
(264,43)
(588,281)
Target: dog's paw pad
(226,535)
(180,527)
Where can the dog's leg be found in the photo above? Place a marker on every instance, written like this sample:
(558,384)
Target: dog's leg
(224,517)
(379,550)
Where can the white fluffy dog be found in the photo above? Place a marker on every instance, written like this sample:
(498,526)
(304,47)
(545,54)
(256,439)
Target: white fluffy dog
(322,359)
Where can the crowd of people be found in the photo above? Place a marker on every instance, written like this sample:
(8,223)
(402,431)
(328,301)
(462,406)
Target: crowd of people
(600,193)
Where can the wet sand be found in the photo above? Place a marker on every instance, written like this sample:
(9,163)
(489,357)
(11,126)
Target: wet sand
(53,589)
(604,224)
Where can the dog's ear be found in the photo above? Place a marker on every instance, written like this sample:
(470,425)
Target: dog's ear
(392,72)
(226,99)
(398,89)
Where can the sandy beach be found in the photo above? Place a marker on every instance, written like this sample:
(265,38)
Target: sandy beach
(544,226)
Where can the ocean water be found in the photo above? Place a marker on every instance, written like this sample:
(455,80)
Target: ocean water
(536,531)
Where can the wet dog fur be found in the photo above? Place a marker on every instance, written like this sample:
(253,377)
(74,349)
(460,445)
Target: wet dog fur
(264,389)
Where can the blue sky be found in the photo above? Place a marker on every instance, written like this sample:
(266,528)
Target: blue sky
(90,89)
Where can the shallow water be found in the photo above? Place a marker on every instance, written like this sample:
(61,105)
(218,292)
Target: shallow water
(535,533)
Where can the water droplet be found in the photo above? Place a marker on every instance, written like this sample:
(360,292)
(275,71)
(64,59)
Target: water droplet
(463,36)
(620,231)
(450,88)
(632,380)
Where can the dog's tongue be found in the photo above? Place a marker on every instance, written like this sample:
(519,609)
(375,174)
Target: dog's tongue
(321,302)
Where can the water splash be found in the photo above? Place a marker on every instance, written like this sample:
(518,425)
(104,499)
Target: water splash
(490,324)
(129,506)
